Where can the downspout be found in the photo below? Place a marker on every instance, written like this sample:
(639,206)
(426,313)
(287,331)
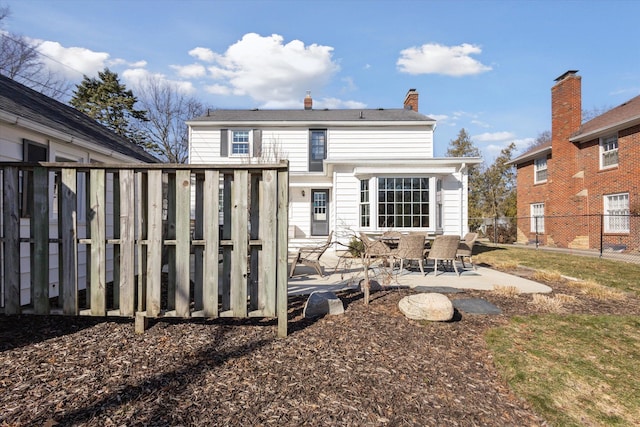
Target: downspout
(462,167)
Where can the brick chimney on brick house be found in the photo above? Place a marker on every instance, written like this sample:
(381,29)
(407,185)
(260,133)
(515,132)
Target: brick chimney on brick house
(411,100)
(308,102)
(566,117)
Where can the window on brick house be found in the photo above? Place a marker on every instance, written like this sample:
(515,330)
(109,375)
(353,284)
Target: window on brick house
(616,213)
(540,166)
(537,217)
(609,152)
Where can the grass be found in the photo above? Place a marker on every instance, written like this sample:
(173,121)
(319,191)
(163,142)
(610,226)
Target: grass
(614,274)
(574,370)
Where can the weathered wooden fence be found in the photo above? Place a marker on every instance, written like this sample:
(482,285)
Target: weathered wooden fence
(155,229)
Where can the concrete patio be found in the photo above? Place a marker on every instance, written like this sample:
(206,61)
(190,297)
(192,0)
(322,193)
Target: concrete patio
(345,272)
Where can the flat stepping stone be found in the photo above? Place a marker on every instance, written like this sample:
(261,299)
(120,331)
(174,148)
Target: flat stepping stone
(438,289)
(475,306)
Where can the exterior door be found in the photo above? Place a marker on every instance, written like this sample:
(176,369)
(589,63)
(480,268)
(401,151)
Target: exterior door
(319,212)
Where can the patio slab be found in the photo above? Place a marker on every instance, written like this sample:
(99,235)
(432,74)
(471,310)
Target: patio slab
(349,273)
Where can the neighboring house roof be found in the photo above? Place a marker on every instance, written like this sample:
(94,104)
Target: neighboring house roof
(20,102)
(620,117)
(534,153)
(353,115)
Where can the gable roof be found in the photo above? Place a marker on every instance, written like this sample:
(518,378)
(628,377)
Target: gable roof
(304,116)
(618,118)
(534,153)
(20,101)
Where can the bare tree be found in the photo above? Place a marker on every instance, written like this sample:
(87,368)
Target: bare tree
(21,61)
(168,108)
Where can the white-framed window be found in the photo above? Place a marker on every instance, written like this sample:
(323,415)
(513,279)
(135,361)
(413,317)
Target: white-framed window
(317,149)
(240,143)
(540,167)
(365,207)
(31,152)
(609,151)
(403,202)
(616,211)
(537,217)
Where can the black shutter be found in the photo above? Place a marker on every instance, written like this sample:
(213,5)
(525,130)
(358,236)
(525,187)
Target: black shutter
(257,143)
(224,142)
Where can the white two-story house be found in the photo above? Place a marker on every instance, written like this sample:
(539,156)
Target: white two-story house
(353,170)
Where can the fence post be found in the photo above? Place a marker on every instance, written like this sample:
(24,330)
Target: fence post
(601,233)
(535,218)
(495,230)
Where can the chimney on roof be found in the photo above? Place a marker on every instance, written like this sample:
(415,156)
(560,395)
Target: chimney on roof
(566,107)
(308,102)
(411,100)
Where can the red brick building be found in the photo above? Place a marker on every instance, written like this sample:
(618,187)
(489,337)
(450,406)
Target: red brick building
(583,187)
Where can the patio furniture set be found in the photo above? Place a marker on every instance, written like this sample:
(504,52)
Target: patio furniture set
(392,247)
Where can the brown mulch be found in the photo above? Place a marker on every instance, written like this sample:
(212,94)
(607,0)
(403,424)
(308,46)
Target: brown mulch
(370,366)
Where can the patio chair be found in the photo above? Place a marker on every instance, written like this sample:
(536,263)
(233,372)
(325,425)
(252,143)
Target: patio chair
(465,248)
(411,248)
(444,250)
(375,248)
(310,256)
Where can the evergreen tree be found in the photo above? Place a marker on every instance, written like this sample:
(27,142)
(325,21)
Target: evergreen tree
(109,102)
(498,189)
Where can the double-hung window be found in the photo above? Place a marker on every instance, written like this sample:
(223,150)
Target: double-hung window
(365,208)
(616,210)
(609,152)
(540,166)
(317,149)
(240,144)
(537,217)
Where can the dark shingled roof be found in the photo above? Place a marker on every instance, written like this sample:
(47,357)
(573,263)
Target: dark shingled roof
(22,101)
(620,115)
(365,115)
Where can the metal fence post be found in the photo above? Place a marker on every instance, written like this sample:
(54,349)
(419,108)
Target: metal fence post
(601,233)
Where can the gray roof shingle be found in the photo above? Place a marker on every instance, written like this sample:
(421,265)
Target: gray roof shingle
(365,115)
(22,101)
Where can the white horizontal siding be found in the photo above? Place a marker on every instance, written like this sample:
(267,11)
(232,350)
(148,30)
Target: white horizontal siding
(346,201)
(385,143)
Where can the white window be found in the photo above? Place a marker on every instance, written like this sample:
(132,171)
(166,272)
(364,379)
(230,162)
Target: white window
(616,211)
(609,152)
(537,217)
(540,166)
(365,207)
(240,143)
(403,202)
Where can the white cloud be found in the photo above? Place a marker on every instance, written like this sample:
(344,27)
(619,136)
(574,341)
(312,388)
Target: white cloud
(433,58)
(268,70)
(72,62)
(203,54)
(493,136)
(190,71)
(138,77)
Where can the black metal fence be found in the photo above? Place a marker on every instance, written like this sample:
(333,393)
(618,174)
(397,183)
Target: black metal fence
(600,234)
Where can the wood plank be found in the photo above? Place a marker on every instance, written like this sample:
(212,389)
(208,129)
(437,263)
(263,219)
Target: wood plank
(127,242)
(226,236)
(239,236)
(254,258)
(116,247)
(283,227)
(211,237)
(141,250)
(11,233)
(198,251)
(154,245)
(97,215)
(40,246)
(269,237)
(68,241)
(183,244)
(169,253)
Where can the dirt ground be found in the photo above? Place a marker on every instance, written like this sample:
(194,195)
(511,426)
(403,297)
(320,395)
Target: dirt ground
(368,367)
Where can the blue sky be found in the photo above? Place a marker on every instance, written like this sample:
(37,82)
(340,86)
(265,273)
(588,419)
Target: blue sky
(485,66)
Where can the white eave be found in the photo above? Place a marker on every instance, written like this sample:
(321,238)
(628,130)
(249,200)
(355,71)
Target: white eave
(431,165)
(530,156)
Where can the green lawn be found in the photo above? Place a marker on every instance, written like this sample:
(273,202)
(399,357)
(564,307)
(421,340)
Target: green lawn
(575,370)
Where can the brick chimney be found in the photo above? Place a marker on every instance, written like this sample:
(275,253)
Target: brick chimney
(566,117)
(411,100)
(308,102)
(566,106)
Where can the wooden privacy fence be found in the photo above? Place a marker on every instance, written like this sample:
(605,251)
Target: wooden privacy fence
(155,230)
